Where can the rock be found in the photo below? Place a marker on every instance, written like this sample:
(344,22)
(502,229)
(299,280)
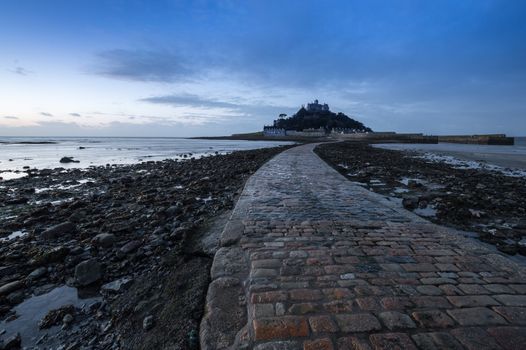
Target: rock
(56,254)
(148,323)
(7,270)
(510,249)
(15,201)
(58,230)
(67,319)
(117,285)
(10,287)
(476,213)
(68,160)
(54,317)
(88,272)
(15,297)
(414,184)
(410,202)
(37,273)
(13,342)
(130,247)
(174,210)
(51,256)
(104,240)
(45,172)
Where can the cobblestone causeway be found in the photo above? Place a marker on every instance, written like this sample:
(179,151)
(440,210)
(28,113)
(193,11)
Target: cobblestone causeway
(311,261)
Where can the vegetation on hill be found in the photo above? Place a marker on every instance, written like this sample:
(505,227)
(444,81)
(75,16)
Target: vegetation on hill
(304,119)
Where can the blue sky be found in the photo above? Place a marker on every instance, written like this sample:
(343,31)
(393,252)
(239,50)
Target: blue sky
(187,68)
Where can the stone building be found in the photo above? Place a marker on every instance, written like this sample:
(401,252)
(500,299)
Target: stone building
(317,107)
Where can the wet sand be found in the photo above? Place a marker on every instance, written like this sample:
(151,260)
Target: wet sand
(503,156)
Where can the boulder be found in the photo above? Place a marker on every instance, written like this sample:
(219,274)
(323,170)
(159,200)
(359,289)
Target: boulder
(68,160)
(41,271)
(130,247)
(104,240)
(410,202)
(10,287)
(12,343)
(58,230)
(88,272)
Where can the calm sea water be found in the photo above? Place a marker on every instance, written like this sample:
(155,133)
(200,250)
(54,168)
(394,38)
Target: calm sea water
(15,155)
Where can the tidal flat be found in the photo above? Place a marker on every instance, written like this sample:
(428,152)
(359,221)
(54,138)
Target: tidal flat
(115,254)
(485,201)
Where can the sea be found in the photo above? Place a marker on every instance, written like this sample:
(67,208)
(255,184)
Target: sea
(20,153)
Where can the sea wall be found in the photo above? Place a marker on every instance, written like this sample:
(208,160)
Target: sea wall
(490,139)
(387,137)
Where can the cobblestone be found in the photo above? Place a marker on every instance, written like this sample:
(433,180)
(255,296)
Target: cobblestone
(325,264)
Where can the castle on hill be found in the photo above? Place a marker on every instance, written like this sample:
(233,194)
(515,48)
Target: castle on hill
(317,107)
(315,120)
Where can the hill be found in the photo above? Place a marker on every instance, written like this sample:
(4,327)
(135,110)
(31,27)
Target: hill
(315,118)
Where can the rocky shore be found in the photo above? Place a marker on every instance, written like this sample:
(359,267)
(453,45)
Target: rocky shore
(116,256)
(489,203)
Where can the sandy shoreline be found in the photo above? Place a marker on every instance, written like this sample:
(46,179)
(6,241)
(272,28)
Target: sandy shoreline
(503,156)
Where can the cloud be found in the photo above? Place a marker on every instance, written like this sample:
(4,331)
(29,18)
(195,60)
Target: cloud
(189,100)
(20,71)
(141,65)
(74,114)
(45,114)
(11,117)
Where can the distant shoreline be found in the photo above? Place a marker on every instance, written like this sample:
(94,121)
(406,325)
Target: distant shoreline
(28,143)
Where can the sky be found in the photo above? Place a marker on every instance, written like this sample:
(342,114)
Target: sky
(201,68)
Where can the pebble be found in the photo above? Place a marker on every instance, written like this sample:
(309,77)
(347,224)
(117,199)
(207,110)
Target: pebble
(148,323)
(117,285)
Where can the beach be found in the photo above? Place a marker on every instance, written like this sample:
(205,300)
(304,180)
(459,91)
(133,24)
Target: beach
(89,255)
(501,156)
(483,199)
(19,154)
(121,253)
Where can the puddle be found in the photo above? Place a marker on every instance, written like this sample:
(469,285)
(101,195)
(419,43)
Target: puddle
(14,235)
(405,180)
(375,182)
(55,203)
(10,175)
(429,185)
(31,311)
(400,190)
(426,212)
(206,200)
(42,189)
(63,187)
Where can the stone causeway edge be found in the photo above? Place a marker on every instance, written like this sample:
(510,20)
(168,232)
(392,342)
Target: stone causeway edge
(225,324)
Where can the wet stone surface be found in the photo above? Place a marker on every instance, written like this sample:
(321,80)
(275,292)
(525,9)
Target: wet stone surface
(330,265)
